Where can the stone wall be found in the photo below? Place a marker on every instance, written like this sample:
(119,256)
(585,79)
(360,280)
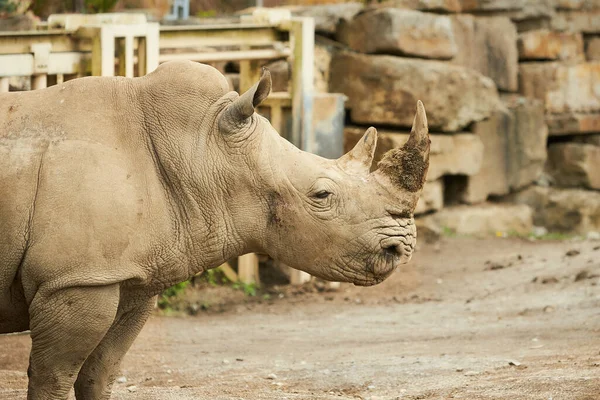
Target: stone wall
(512,93)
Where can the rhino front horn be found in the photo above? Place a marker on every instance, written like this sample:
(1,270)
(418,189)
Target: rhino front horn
(358,160)
(406,167)
(243,107)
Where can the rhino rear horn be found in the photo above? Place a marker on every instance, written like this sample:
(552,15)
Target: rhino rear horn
(406,167)
(358,160)
(243,107)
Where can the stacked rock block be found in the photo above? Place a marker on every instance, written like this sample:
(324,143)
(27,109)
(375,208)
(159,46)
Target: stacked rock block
(560,66)
(512,93)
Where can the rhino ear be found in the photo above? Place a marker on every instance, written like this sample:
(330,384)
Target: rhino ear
(243,107)
(358,160)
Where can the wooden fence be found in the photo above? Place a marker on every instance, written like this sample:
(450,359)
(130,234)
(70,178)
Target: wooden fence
(71,46)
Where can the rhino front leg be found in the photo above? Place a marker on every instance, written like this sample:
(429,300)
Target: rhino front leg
(66,326)
(99,371)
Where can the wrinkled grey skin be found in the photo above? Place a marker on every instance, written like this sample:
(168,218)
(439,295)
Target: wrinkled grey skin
(114,189)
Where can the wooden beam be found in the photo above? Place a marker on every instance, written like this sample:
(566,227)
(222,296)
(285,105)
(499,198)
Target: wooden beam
(172,37)
(278,99)
(61,41)
(262,54)
(58,63)
(229,272)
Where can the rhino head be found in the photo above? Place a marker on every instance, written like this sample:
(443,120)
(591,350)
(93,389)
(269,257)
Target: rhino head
(335,219)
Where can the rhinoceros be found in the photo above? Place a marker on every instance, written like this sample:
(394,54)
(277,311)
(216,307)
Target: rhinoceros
(114,189)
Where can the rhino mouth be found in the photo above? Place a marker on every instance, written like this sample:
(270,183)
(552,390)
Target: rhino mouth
(393,252)
(398,249)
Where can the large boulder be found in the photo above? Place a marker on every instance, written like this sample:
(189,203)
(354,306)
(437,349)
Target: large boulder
(281,73)
(432,198)
(590,139)
(492,178)
(328,16)
(281,70)
(514,141)
(517,10)
(563,88)
(592,48)
(562,210)
(399,32)
(441,6)
(385,89)
(577,4)
(574,164)
(482,48)
(573,123)
(544,44)
(457,154)
(577,21)
(485,219)
(528,136)
(324,50)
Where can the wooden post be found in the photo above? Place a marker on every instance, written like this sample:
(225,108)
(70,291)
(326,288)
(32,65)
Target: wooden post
(248,268)
(303,39)
(248,263)
(4,85)
(120,52)
(103,51)
(39,81)
(152,46)
(107,52)
(249,73)
(126,56)
(277,117)
(103,48)
(141,56)
(41,60)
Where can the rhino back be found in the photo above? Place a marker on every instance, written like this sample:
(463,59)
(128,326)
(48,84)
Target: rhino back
(80,196)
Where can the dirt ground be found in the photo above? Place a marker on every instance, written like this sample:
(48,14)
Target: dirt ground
(466,319)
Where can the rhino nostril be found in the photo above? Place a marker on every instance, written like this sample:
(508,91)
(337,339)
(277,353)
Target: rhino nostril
(393,250)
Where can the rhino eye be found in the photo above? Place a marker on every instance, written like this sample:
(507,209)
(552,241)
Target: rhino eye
(322,194)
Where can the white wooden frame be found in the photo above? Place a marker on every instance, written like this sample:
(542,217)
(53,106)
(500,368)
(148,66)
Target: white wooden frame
(70,51)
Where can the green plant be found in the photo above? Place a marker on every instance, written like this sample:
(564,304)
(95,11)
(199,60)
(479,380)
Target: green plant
(213,277)
(169,294)
(7,6)
(249,289)
(448,232)
(543,236)
(206,14)
(99,6)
